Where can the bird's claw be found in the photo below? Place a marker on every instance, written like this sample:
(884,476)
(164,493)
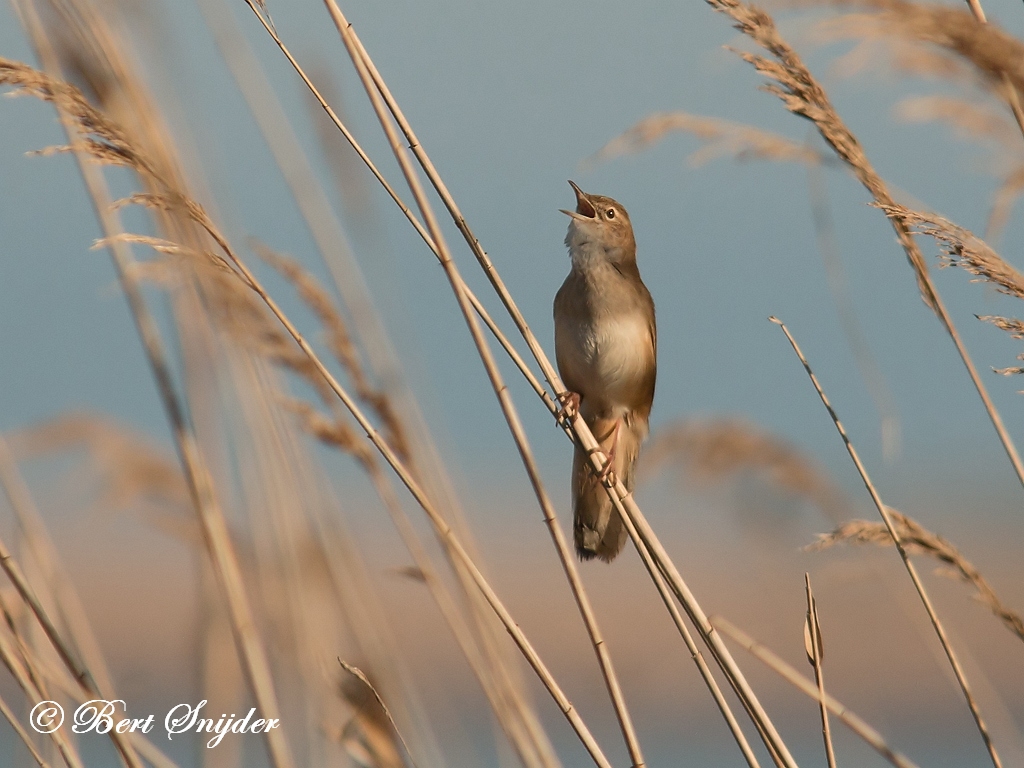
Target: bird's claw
(570,406)
(605,474)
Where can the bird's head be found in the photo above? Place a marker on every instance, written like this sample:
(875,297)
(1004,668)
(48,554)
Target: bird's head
(602,224)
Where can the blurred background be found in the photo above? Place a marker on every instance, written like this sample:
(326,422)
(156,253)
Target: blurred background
(510,100)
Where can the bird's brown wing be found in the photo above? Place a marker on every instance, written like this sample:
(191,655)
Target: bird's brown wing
(565,307)
(645,390)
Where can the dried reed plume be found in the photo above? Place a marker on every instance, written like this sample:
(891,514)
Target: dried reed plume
(916,539)
(721,138)
(962,248)
(968,118)
(1015,328)
(340,342)
(802,95)
(130,467)
(714,450)
(101,138)
(333,432)
(992,52)
(1011,325)
(878,52)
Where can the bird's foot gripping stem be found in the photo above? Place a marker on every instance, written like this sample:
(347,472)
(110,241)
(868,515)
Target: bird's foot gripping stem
(605,474)
(570,406)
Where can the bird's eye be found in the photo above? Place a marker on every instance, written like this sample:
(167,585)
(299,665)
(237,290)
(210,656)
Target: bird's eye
(610,213)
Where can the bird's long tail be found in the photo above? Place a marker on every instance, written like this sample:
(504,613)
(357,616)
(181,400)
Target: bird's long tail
(597,527)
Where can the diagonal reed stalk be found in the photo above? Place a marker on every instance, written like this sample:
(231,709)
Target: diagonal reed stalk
(69,608)
(904,556)
(854,722)
(21,668)
(13,721)
(33,673)
(67,655)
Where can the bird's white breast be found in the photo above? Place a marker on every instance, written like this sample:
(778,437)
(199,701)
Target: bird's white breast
(617,353)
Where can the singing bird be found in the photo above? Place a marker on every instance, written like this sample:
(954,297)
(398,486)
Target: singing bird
(606,348)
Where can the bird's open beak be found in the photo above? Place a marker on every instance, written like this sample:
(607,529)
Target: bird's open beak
(585,211)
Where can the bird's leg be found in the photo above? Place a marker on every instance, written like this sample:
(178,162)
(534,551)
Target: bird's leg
(605,474)
(570,402)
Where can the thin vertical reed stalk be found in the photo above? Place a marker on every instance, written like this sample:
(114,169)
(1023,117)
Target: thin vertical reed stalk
(853,721)
(815,654)
(898,541)
(199,483)
(501,391)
